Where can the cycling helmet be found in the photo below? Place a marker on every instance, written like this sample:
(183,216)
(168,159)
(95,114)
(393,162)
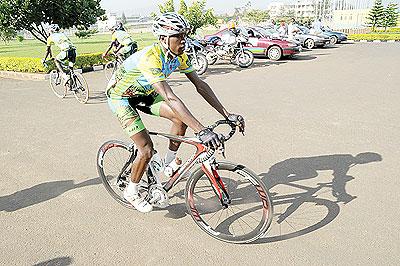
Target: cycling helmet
(117,26)
(170,23)
(231,25)
(54,27)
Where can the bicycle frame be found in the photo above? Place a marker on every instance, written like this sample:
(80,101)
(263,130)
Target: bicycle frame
(208,166)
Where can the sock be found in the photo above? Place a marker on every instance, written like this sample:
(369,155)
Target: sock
(169,156)
(132,188)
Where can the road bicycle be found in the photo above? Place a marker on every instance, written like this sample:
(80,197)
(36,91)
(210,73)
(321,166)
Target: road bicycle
(75,83)
(111,67)
(226,200)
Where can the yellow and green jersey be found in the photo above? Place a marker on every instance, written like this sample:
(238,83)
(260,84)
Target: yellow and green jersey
(122,37)
(142,69)
(61,40)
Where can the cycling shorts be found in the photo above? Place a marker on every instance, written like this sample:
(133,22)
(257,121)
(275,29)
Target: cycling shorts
(69,54)
(126,110)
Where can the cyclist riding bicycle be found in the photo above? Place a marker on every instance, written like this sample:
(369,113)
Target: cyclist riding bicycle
(140,84)
(68,50)
(122,41)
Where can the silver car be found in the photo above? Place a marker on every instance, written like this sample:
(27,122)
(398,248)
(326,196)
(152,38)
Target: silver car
(310,41)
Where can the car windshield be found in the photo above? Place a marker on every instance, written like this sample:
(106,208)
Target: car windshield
(304,30)
(266,32)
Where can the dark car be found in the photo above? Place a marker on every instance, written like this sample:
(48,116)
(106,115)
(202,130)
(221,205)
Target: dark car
(334,36)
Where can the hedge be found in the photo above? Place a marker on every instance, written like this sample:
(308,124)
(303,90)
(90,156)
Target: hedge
(390,30)
(34,65)
(372,36)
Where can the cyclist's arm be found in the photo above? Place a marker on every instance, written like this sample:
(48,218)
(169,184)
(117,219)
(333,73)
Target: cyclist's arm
(207,93)
(118,48)
(48,52)
(109,48)
(177,106)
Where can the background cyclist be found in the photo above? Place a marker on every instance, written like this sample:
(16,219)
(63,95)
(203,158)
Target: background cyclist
(140,84)
(68,50)
(123,43)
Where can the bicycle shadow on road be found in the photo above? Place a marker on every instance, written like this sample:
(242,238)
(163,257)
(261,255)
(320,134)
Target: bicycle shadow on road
(41,193)
(312,205)
(60,261)
(97,97)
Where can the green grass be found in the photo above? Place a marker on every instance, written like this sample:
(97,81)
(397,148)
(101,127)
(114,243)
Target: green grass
(96,43)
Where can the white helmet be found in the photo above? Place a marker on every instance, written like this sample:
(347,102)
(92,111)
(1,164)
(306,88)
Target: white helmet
(170,23)
(54,27)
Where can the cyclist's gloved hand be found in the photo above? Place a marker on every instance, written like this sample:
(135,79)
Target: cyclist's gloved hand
(238,120)
(209,138)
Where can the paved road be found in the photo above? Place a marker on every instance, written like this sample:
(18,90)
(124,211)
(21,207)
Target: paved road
(325,124)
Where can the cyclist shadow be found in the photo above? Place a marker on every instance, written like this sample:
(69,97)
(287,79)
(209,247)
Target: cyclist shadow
(97,97)
(290,173)
(41,193)
(60,261)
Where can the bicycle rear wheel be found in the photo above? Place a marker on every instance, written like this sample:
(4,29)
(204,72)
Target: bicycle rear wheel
(80,88)
(56,84)
(114,160)
(249,213)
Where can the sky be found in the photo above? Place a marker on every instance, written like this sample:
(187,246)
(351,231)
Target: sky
(145,7)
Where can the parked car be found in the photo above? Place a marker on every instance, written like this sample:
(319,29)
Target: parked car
(304,38)
(261,45)
(334,36)
(311,40)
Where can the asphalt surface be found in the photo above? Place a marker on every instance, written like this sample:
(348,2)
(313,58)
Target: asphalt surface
(322,133)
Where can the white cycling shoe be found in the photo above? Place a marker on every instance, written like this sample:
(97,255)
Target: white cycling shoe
(139,203)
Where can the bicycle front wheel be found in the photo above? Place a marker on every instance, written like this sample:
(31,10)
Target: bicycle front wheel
(109,69)
(249,213)
(114,160)
(80,88)
(56,84)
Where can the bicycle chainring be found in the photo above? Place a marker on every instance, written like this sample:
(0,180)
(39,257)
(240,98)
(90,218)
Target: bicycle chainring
(158,197)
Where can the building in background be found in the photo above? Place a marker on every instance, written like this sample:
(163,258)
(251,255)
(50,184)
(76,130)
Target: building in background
(339,14)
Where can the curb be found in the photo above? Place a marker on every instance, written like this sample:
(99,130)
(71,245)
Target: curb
(41,76)
(373,41)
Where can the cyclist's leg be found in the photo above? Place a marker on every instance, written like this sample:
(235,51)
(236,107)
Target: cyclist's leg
(71,57)
(155,105)
(134,127)
(59,59)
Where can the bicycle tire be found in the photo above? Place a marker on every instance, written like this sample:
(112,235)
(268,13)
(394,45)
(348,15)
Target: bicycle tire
(81,90)
(56,84)
(254,191)
(109,69)
(109,167)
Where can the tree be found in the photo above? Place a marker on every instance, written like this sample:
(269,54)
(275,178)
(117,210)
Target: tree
(123,18)
(390,16)
(256,16)
(6,34)
(197,15)
(183,8)
(376,15)
(167,7)
(34,15)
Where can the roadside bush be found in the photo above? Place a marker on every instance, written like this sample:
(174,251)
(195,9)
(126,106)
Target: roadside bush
(34,65)
(374,36)
(20,38)
(84,34)
(390,30)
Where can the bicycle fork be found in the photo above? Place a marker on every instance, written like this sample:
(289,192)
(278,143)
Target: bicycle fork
(209,167)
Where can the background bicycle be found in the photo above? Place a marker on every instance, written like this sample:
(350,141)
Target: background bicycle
(75,83)
(111,66)
(226,200)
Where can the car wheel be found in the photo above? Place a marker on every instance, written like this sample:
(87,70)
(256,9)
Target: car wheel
(309,43)
(333,39)
(274,53)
